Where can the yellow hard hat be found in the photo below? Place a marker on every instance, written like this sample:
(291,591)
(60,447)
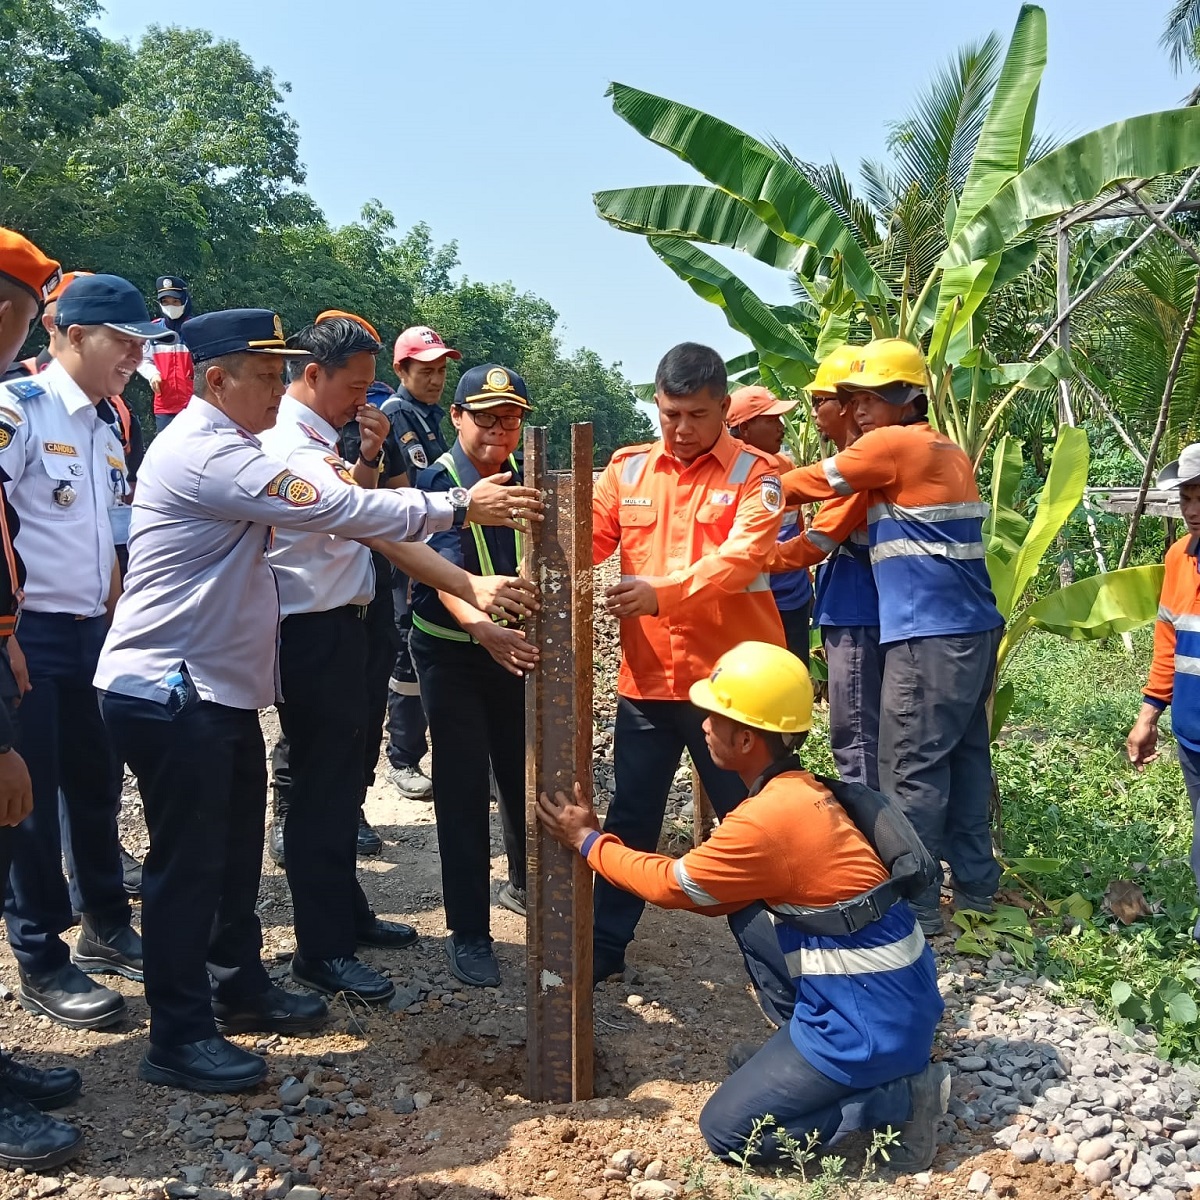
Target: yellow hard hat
(886,361)
(833,369)
(760,685)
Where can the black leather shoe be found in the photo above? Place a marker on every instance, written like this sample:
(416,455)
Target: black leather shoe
(43,1089)
(274,1011)
(69,997)
(32,1140)
(108,949)
(131,870)
(605,966)
(213,1065)
(348,977)
(369,842)
(275,837)
(391,935)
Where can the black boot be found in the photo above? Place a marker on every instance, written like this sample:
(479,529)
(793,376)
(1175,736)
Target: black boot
(279,808)
(32,1140)
(131,869)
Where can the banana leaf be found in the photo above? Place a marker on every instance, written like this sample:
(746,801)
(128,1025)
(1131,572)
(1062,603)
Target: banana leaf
(778,346)
(1094,608)
(783,199)
(1060,497)
(1005,528)
(1138,148)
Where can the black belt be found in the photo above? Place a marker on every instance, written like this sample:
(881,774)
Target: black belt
(847,916)
(358,611)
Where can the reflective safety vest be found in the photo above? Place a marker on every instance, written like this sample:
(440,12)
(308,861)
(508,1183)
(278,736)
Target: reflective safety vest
(481,548)
(1175,670)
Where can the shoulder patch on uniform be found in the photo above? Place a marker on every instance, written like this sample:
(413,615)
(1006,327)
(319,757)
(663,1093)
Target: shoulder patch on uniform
(771,487)
(409,437)
(9,421)
(59,448)
(419,458)
(26,389)
(311,433)
(293,490)
(341,470)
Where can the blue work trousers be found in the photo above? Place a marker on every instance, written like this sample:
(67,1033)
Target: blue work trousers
(648,744)
(855,665)
(780,1082)
(1189,760)
(203,773)
(935,752)
(62,738)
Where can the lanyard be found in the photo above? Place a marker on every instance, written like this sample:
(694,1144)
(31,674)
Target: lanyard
(485,558)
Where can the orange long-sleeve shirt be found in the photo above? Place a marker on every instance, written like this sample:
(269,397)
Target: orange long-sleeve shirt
(835,521)
(701,534)
(1175,670)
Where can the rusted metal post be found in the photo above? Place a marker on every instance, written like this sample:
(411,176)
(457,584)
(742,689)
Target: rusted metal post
(558,751)
(703,815)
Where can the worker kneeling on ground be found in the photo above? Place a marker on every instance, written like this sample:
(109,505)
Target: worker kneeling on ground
(855,1054)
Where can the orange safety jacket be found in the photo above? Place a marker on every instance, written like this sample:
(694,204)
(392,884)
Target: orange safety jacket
(701,534)
(1175,670)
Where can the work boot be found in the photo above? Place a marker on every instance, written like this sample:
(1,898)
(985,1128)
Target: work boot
(511,897)
(211,1065)
(369,842)
(605,966)
(32,1140)
(411,782)
(43,1089)
(350,978)
(473,960)
(972,903)
(69,997)
(918,1135)
(104,949)
(275,832)
(929,919)
(131,871)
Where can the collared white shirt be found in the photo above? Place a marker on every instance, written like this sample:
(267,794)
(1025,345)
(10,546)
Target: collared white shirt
(67,469)
(199,592)
(317,572)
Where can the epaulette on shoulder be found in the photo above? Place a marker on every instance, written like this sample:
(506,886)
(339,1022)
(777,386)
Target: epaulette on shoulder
(22,389)
(627,451)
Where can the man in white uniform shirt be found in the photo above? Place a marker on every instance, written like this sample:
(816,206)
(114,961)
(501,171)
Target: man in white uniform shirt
(68,469)
(189,661)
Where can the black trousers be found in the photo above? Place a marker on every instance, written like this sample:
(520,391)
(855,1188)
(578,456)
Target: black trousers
(797,623)
(76,795)
(319,774)
(476,712)
(203,776)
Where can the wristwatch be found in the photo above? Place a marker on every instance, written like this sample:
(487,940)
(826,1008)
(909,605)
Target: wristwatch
(373,463)
(460,500)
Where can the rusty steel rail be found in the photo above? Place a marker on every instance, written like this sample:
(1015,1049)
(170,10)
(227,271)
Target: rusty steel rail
(558,751)
(703,815)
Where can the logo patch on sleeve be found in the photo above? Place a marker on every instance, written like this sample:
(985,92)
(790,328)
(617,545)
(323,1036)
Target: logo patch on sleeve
(341,470)
(418,456)
(772,493)
(7,432)
(293,490)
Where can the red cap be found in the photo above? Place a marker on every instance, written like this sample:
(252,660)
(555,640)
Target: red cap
(22,263)
(423,344)
(749,402)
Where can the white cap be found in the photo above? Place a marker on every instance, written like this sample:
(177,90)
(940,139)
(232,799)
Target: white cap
(1185,469)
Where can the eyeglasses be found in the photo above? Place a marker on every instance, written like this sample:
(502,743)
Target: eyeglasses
(820,399)
(487,420)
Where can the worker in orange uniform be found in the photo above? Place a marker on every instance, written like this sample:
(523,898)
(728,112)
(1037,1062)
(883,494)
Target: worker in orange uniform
(694,516)
(847,603)
(755,417)
(1175,671)
(855,1054)
(939,627)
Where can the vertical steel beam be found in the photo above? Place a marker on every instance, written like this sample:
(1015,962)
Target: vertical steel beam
(558,751)
(703,815)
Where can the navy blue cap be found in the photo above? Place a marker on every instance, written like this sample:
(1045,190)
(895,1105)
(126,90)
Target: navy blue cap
(108,300)
(236,331)
(489,386)
(170,285)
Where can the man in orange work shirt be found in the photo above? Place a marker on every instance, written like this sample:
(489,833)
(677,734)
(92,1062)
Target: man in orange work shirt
(939,627)
(695,516)
(1175,671)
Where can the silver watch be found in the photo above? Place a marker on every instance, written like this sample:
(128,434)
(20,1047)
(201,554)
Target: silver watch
(460,501)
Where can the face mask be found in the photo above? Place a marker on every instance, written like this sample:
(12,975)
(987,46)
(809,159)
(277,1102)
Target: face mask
(172,310)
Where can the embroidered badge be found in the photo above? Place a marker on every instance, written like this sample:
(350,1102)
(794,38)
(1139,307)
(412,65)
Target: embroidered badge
(76,469)
(293,490)
(418,457)
(6,434)
(772,493)
(26,389)
(58,448)
(409,437)
(341,470)
(721,497)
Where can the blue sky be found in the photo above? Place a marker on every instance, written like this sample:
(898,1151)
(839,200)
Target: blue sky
(488,120)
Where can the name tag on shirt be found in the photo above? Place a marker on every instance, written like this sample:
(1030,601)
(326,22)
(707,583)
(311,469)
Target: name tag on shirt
(722,497)
(58,448)
(637,501)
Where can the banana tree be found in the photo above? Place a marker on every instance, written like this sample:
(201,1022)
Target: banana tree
(804,220)
(1090,610)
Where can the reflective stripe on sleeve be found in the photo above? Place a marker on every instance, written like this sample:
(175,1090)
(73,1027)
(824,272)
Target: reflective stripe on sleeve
(930,512)
(865,961)
(632,469)
(1187,622)
(1185,664)
(909,547)
(835,478)
(742,467)
(1165,614)
(694,892)
(822,541)
(760,583)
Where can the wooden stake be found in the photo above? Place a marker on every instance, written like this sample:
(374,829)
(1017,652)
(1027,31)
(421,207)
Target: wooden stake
(558,751)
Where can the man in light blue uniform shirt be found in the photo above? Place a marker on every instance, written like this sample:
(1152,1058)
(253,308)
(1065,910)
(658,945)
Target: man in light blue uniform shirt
(190,659)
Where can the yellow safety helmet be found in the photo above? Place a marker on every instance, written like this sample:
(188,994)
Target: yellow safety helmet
(886,361)
(760,685)
(833,370)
